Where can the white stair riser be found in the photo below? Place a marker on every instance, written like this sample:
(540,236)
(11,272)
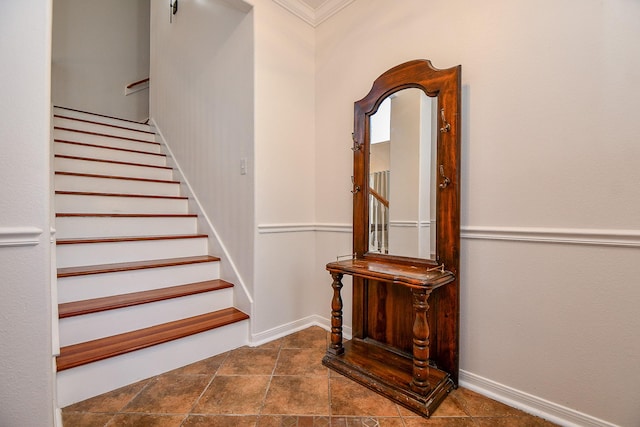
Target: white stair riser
(106,141)
(86,126)
(74,227)
(108,154)
(77,288)
(114,185)
(105,168)
(71,203)
(114,252)
(100,119)
(77,329)
(83,382)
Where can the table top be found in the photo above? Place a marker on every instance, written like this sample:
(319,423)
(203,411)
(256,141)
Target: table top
(402,274)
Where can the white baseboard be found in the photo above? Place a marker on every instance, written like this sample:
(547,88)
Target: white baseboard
(57,417)
(295,326)
(528,403)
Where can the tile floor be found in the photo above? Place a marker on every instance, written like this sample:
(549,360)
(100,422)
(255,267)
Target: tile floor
(282,383)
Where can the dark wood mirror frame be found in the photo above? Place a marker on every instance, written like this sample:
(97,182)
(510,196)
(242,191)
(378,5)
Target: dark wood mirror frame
(405,310)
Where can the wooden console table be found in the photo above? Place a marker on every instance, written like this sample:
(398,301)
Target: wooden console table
(412,380)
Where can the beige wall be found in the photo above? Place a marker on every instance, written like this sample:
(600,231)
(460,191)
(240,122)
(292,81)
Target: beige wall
(26,364)
(99,47)
(549,184)
(285,170)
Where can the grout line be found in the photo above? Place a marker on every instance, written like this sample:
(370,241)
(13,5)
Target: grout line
(215,374)
(273,371)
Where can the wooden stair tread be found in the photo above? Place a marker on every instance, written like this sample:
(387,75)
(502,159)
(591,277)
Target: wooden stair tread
(93,159)
(128,238)
(106,135)
(97,114)
(95,305)
(103,124)
(130,266)
(106,147)
(91,193)
(103,348)
(125,215)
(127,178)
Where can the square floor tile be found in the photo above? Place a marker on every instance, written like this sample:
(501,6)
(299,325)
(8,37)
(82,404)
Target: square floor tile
(236,394)
(169,394)
(220,421)
(109,402)
(300,361)
(351,398)
(204,367)
(146,420)
(439,422)
(249,361)
(478,405)
(297,395)
(313,337)
(390,422)
(84,419)
(524,421)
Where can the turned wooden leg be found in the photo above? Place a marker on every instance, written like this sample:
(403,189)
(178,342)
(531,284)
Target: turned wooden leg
(420,381)
(336,316)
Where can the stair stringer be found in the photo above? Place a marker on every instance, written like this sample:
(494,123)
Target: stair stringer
(229,271)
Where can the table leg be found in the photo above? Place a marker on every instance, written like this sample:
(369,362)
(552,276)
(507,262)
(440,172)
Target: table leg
(420,381)
(336,316)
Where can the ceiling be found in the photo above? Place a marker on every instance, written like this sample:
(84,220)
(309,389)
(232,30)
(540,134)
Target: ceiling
(313,12)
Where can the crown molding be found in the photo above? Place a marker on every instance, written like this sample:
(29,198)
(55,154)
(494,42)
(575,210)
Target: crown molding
(314,17)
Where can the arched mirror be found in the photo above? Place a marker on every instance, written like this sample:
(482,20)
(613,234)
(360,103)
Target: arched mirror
(406,160)
(406,239)
(402,164)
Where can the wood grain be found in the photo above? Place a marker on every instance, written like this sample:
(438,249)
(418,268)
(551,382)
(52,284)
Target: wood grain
(78,308)
(100,349)
(130,266)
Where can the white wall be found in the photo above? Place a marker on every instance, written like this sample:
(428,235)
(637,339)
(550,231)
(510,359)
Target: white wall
(202,102)
(26,363)
(550,141)
(285,169)
(99,47)
(218,98)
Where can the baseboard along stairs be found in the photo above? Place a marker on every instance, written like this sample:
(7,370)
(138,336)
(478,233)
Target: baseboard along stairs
(138,293)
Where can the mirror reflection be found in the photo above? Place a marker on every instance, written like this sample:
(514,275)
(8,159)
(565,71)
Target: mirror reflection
(402,168)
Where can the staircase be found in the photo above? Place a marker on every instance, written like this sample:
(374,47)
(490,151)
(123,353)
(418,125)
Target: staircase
(138,292)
